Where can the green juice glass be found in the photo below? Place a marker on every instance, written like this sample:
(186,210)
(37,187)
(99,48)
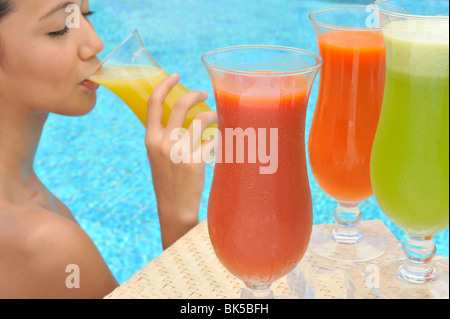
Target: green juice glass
(410,155)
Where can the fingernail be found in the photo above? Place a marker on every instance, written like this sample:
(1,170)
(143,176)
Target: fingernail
(175,75)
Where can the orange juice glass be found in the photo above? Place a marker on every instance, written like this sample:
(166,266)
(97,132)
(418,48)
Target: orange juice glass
(344,126)
(131,73)
(260,209)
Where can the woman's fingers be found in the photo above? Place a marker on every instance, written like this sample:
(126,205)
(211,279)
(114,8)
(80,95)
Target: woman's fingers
(181,108)
(203,120)
(207,149)
(168,138)
(198,129)
(156,101)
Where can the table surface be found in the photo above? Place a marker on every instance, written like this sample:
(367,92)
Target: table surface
(189,269)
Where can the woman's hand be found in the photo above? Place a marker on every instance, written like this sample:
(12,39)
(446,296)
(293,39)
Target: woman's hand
(178,187)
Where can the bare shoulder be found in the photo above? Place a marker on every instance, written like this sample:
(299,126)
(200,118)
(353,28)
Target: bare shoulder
(49,256)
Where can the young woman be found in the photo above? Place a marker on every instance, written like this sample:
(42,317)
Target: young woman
(44,67)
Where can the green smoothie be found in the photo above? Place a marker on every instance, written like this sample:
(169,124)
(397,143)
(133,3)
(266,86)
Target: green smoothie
(410,155)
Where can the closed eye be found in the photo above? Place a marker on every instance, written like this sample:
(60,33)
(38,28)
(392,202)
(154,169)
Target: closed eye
(59,33)
(88,14)
(66,29)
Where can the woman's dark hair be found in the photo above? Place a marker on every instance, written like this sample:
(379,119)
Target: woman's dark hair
(5,8)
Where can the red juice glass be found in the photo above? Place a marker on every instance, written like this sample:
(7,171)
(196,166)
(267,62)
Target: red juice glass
(260,213)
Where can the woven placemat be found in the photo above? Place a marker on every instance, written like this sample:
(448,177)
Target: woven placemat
(189,269)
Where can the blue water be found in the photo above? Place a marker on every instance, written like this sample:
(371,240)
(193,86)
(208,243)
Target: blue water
(97,163)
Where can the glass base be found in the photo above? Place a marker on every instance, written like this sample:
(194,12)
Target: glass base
(387,282)
(366,246)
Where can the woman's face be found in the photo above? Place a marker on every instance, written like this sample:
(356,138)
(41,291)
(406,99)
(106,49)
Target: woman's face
(45,57)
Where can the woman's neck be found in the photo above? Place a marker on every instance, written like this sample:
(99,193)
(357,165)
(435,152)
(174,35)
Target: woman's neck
(20,133)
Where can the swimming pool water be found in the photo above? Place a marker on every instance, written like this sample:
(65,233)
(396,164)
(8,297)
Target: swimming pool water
(97,163)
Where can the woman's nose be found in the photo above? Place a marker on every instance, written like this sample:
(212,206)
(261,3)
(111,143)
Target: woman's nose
(91,42)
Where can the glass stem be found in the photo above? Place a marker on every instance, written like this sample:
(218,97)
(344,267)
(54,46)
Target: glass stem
(419,252)
(257,292)
(347,217)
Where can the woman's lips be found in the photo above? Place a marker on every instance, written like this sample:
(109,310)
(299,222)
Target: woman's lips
(91,86)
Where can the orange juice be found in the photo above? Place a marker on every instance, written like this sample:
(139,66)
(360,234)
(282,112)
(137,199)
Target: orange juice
(134,85)
(347,112)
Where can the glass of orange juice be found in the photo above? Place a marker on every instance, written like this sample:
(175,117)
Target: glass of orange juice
(132,74)
(260,212)
(344,126)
